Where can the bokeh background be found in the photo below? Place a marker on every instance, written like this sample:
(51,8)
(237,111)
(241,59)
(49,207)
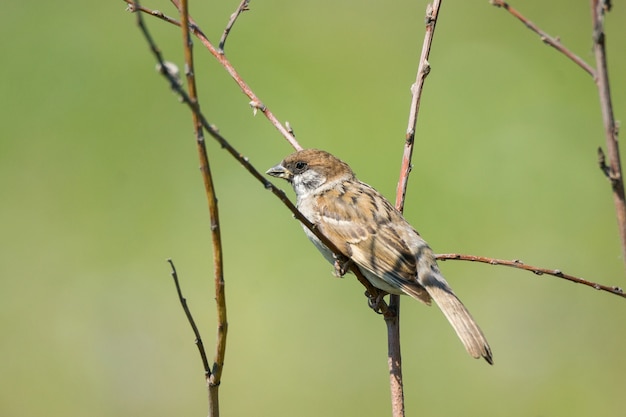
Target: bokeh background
(99,183)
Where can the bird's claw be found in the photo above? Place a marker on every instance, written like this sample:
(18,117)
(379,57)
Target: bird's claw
(375,302)
(342,265)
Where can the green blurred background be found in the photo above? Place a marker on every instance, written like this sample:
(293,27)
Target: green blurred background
(99,180)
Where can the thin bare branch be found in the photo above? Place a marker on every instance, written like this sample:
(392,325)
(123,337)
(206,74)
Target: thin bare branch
(545,38)
(534,269)
(598,10)
(244,87)
(133,7)
(243,6)
(213,380)
(394,356)
(224,62)
(192,323)
(432,12)
(392,319)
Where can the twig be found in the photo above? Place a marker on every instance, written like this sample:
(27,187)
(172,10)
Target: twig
(432,11)
(392,320)
(534,269)
(213,380)
(598,8)
(192,323)
(243,6)
(545,38)
(133,7)
(221,58)
(244,87)
(606,170)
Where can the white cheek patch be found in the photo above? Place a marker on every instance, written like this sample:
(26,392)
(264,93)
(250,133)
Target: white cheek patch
(307,181)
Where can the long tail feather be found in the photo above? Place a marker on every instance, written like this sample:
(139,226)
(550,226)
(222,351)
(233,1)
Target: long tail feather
(461,320)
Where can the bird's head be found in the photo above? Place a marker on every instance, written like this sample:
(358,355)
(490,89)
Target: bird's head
(311,170)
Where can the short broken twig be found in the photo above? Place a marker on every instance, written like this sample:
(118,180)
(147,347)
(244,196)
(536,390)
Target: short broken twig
(243,6)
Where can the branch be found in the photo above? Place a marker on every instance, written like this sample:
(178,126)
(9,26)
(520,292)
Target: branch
(534,269)
(545,38)
(192,323)
(394,357)
(213,379)
(432,11)
(221,58)
(608,119)
(233,18)
(133,6)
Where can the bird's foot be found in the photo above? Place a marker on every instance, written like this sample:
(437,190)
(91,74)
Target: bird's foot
(342,265)
(375,303)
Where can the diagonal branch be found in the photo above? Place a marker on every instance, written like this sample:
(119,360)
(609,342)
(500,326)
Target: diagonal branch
(190,319)
(545,38)
(255,102)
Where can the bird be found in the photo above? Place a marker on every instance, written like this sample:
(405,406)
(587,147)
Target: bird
(371,233)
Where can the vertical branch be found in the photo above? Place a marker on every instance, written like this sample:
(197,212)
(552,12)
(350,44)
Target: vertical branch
(614,171)
(392,319)
(394,356)
(432,11)
(212,379)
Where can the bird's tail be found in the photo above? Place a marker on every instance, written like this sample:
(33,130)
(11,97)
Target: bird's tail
(458,316)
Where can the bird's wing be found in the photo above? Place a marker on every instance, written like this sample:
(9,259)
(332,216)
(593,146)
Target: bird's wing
(366,229)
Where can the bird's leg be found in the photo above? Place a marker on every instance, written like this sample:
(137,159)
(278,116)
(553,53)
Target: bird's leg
(375,302)
(342,265)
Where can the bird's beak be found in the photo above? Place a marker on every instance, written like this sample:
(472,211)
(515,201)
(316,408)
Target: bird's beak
(280,171)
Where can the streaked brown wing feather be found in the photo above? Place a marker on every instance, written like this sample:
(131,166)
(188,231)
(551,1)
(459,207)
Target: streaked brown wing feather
(367,236)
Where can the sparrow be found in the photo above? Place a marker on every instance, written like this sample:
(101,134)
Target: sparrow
(373,234)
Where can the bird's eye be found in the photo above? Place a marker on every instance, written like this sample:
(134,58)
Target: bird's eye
(301,166)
